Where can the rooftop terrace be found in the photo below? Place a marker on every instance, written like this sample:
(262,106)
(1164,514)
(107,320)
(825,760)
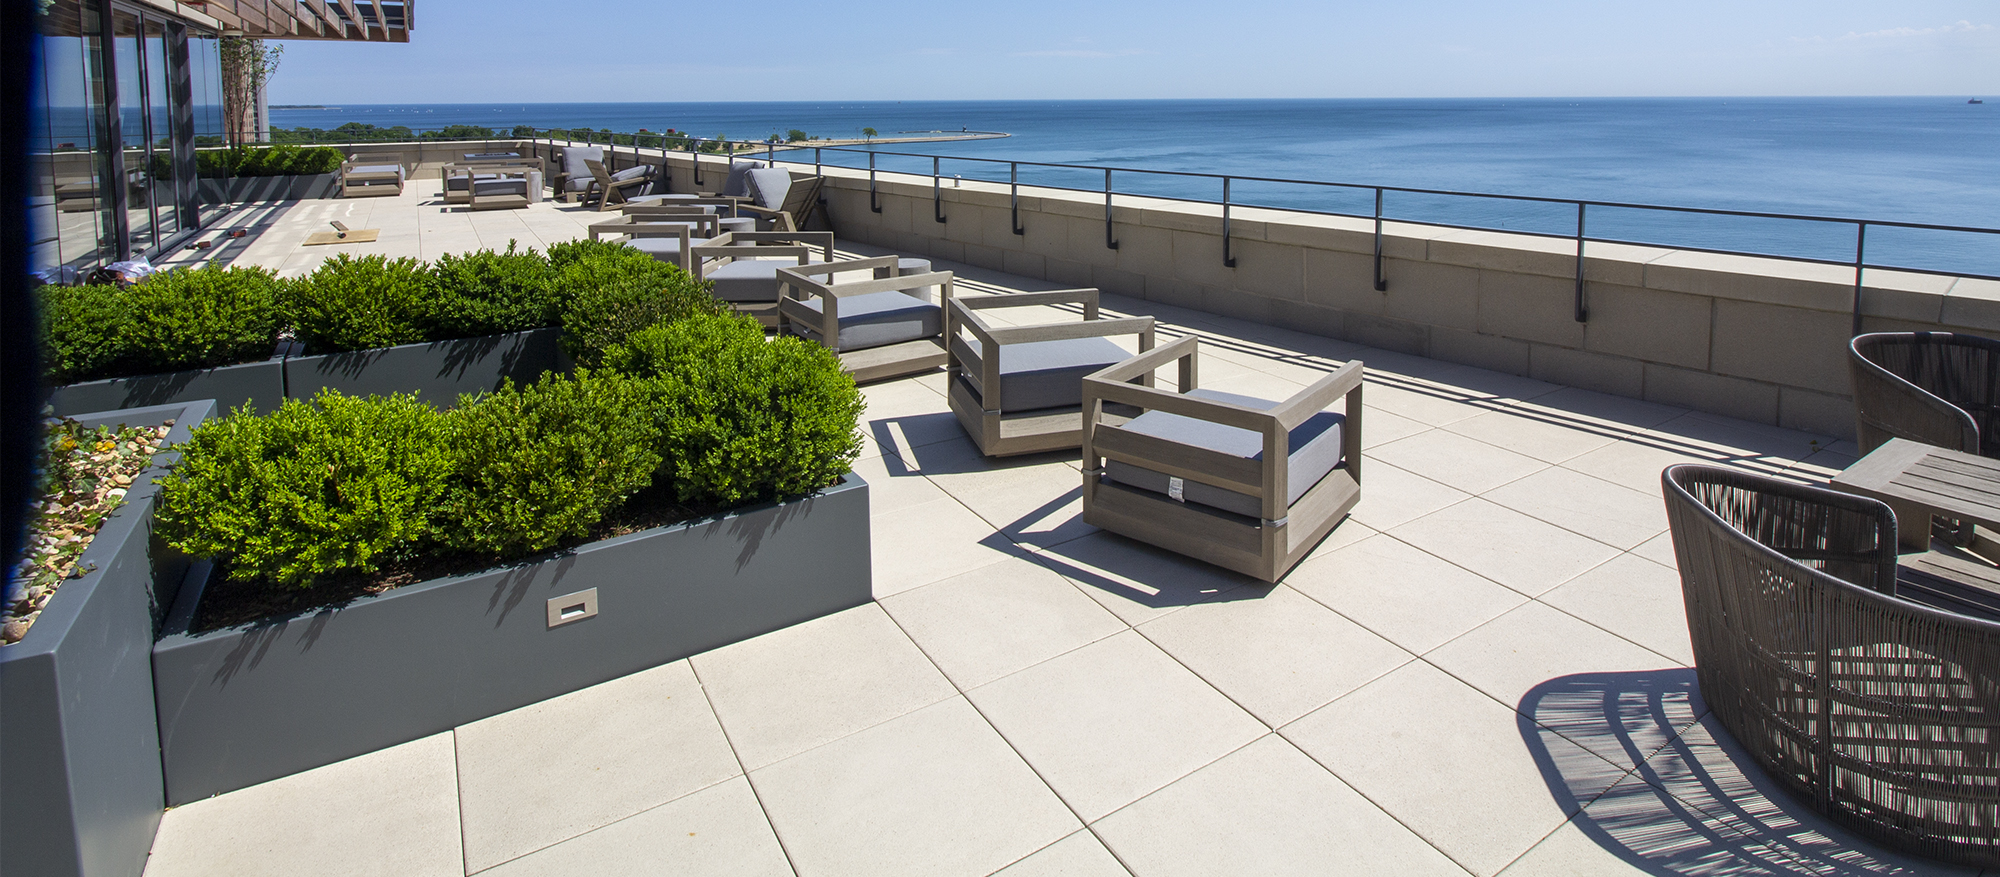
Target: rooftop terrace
(1484,670)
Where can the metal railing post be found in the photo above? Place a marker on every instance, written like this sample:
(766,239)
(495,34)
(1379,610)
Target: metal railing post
(873,204)
(694,155)
(771,154)
(1228,256)
(1014,194)
(1381,283)
(816,170)
(937,193)
(1860,248)
(1582,313)
(1110,243)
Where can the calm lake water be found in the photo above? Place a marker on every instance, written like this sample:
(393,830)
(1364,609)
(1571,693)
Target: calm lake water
(1928,159)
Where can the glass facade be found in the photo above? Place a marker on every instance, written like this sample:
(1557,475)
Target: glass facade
(127,97)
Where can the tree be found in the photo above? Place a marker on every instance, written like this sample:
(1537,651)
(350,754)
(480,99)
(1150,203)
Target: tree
(796,136)
(247,64)
(868,133)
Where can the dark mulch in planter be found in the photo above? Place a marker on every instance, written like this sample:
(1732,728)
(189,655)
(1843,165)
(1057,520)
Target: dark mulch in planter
(227,603)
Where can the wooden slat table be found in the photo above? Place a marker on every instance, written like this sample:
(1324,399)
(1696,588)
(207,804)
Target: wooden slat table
(1919,480)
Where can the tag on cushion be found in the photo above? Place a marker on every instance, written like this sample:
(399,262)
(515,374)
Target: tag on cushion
(1174,489)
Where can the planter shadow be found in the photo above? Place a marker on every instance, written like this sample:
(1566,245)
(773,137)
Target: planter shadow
(244,705)
(80,783)
(261,385)
(438,371)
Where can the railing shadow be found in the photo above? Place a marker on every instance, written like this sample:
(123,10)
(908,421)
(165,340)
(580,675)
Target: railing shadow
(1697,804)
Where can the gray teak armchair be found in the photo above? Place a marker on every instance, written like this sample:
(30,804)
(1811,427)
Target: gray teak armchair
(1019,389)
(882,326)
(1243,483)
(744,266)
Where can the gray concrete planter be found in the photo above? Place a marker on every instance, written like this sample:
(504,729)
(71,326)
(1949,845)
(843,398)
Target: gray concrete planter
(438,371)
(289,187)
(261,385)
(244,705)
(80,783)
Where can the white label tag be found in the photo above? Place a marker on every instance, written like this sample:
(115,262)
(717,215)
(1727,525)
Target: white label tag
(1174,489)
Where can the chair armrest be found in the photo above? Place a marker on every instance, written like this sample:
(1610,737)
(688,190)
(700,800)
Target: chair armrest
(1314,399)
(1086,297)
(820,239)
(1081,329)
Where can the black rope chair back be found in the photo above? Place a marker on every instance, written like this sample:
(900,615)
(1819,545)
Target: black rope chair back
(1881,713)
(1938,388)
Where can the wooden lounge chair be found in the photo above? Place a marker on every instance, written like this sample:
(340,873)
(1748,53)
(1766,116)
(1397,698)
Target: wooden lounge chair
(1019,389)
(372,175)
(612,188)
(882,326)
(1243,483)
(744,265)
(573,178)
(784,202)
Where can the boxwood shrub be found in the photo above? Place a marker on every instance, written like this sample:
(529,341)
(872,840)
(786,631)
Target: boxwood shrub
(703,409)
(337,486)
(487,293)
(536,466)
(252,161)
(351,303)
(742,419)
(172,321)
(610,291)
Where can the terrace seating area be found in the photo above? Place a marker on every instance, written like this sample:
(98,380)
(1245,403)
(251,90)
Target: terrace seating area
(1484,669)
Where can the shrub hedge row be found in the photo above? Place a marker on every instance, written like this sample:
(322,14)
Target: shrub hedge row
(342,486)
(177,320)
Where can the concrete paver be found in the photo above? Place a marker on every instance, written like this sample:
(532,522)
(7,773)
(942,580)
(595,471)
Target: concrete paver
(1455,677)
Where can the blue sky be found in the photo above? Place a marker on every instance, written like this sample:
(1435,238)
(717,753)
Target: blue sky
(478,51)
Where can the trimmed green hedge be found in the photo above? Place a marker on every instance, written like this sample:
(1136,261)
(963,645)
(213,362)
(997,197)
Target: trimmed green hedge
(180,319)
(173,321)
(343,487)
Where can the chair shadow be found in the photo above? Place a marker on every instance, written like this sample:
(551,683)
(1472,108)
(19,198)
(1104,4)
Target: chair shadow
(1697,805)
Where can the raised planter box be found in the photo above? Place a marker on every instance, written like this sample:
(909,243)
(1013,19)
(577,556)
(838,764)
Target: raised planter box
(80,782)
(244,705)
(261,385)
(438,370)
(291,187)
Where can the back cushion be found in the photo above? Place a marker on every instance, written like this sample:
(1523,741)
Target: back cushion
(738,170)
(575,156)
(768,186)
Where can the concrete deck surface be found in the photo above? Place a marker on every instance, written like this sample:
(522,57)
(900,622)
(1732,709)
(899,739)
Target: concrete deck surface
(1484,670)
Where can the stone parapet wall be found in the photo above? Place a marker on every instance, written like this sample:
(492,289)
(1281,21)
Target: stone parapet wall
(1759,339)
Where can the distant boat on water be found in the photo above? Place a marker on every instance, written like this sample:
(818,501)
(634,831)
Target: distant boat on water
(1975,101)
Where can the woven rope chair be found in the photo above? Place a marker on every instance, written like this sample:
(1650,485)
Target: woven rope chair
(1883,714)
(1938,388)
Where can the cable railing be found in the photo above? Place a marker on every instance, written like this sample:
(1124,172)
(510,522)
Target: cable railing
(1373,199)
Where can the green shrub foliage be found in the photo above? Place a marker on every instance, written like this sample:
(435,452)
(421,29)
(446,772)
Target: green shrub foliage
(741,419)
(611,290)
(487,293)
(252,161)
(174,320)
(353,303)
(338,486)
(537,466)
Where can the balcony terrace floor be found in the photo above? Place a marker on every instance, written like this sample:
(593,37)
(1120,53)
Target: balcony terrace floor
(1484,670)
